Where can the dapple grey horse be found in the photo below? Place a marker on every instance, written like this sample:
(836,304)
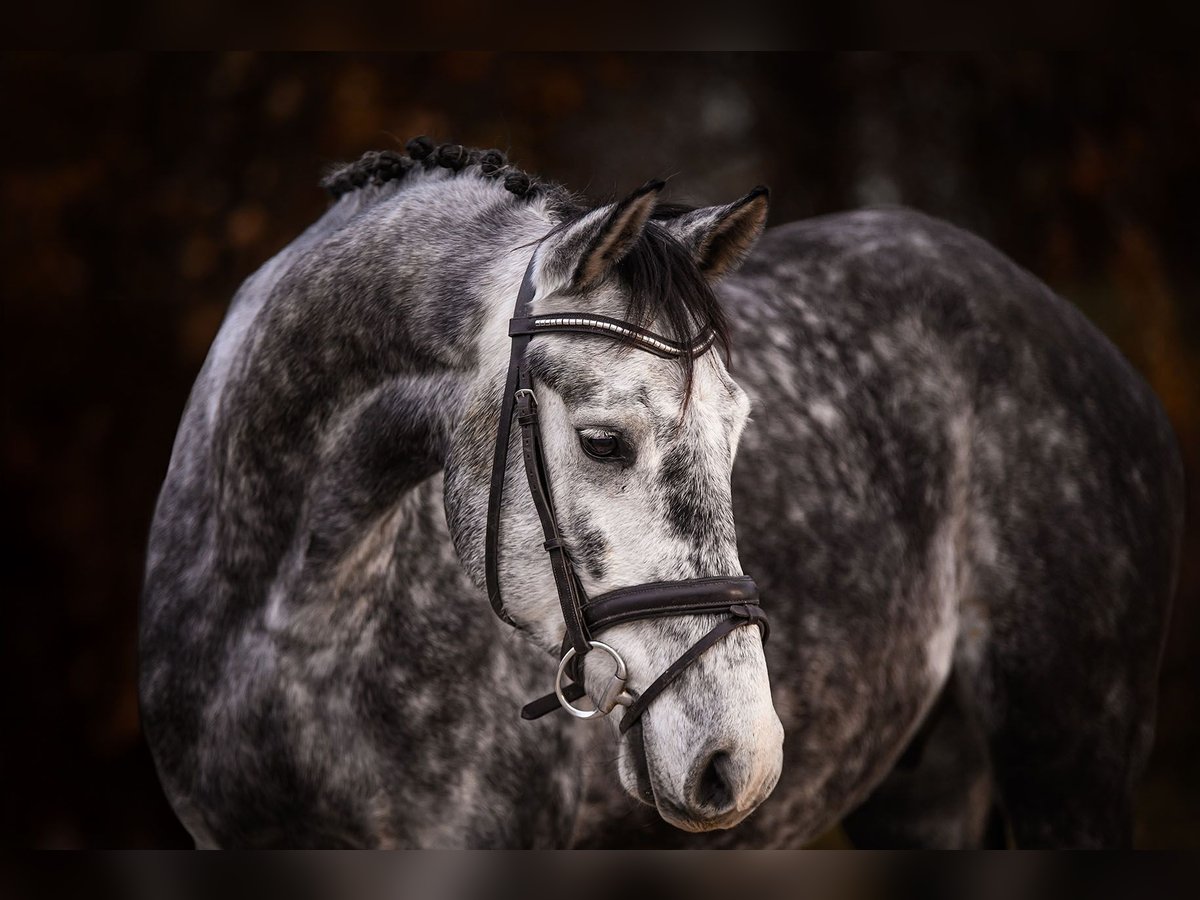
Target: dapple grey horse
(962,506)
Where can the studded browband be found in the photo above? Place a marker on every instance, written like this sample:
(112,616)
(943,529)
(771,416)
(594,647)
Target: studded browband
(736,596)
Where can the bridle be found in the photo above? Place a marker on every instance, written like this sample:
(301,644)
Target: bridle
(735,596)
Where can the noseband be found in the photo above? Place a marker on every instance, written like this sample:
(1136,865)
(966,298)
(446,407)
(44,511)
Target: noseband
(736,597)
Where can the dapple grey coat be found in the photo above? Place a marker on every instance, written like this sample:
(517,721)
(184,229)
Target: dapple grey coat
(961,504)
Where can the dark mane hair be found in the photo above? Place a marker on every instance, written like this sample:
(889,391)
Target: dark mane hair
(667,288)
(376,167)
(664,284)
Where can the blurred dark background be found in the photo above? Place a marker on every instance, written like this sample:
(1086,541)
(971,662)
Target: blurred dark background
(138,191)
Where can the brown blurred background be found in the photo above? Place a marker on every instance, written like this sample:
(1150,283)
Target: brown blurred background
(138,191)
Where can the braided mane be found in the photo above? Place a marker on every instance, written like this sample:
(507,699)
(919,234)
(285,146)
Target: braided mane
(376,167)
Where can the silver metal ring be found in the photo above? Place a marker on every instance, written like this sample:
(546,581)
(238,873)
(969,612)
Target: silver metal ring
(618,677)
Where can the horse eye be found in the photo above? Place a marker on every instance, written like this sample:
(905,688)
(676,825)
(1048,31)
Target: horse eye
(601,446)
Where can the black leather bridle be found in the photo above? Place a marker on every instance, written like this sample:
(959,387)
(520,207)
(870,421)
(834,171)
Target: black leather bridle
(735,596)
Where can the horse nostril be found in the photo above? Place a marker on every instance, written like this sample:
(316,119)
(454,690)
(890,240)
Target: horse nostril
(713,790)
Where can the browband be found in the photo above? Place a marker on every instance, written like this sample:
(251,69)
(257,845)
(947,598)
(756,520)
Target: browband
(614,328)
(736,597)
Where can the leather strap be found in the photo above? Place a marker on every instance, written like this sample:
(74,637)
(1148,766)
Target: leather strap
(611,328)
(547,704)
(742,614)
(668,598)
(508,399)
(565,581)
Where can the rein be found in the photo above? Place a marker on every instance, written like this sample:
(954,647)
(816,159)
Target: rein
(736,596)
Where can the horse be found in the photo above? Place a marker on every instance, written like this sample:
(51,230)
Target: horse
(961,505)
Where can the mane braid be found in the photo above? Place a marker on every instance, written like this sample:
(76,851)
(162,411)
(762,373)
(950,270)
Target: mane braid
(377,167)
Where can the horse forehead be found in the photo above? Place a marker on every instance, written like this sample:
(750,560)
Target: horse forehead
(611,374)
(597,373)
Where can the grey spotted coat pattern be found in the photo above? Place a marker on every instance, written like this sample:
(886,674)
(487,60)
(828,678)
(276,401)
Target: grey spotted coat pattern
(961,504)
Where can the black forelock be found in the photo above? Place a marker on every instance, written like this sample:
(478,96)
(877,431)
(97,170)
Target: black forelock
(668,292)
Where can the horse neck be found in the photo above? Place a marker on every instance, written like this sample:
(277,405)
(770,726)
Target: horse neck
(411,283)
(365,340)
(451,253)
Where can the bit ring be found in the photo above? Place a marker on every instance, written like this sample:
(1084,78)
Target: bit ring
(618,696)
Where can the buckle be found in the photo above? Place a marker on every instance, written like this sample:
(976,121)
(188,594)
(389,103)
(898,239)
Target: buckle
(526,406)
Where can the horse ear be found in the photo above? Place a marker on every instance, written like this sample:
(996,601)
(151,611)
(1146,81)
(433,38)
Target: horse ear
(720,237)
(585,252)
